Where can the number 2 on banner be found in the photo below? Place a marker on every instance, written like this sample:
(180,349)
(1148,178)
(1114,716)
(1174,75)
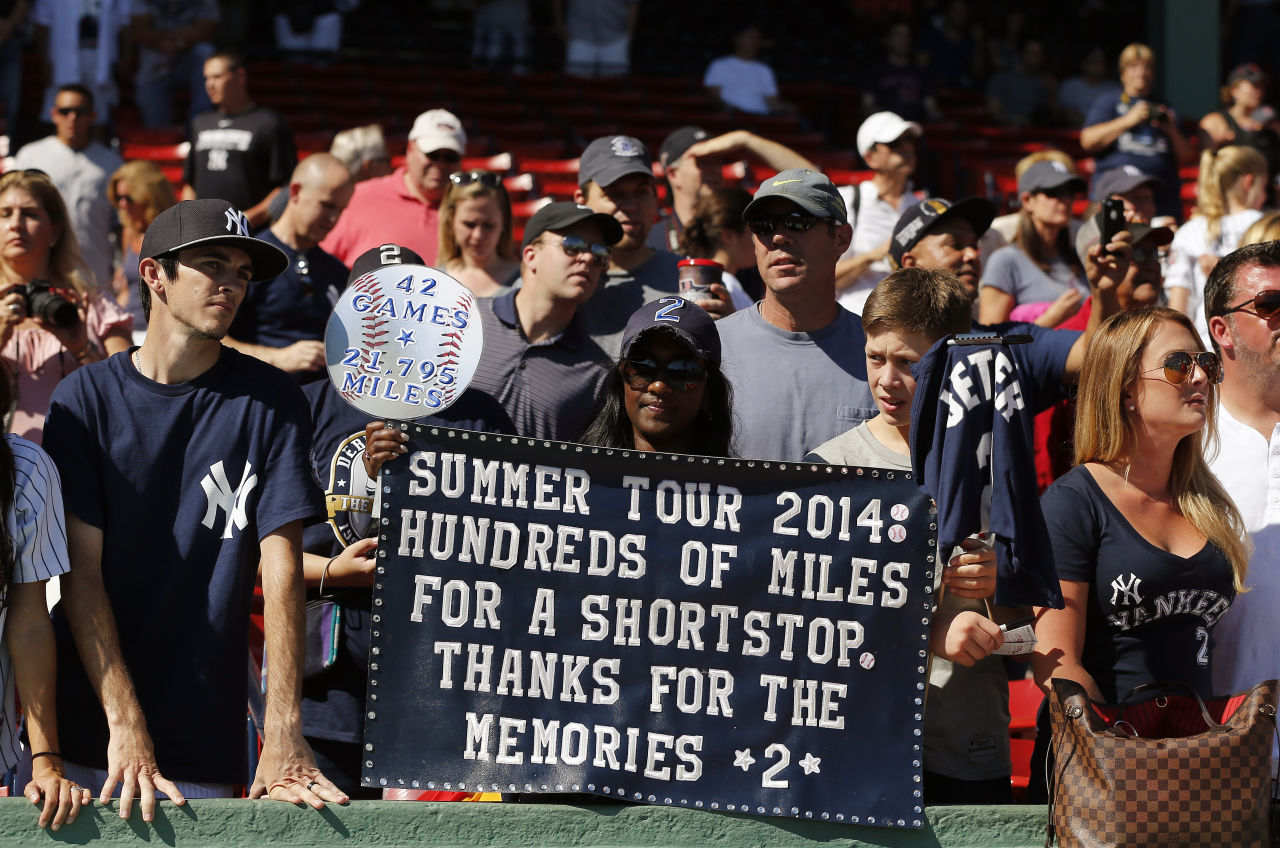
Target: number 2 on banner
(768,779)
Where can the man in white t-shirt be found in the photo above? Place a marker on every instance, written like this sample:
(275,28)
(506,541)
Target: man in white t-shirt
(1242,309)
(888,145)
(741,81)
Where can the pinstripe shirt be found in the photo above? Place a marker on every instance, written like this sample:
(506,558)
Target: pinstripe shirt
(40,552)
(551,388)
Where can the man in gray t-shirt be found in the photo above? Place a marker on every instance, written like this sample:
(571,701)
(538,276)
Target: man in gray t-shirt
(796,361)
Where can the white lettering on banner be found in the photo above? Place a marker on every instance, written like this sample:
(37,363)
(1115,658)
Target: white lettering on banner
(818,583)
(541,675)
(814,703)
(540,547)
(453,478)
(690,503)
(505,740)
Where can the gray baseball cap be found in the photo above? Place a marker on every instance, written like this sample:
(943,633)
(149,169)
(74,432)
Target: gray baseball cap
(609,159)
(812,191)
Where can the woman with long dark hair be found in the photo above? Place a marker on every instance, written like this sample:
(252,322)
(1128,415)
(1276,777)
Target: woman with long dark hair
(667,392)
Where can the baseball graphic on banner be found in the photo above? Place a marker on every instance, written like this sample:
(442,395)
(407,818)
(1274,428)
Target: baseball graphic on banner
(403,342)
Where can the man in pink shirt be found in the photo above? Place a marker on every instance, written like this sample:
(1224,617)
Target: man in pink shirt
(404,206)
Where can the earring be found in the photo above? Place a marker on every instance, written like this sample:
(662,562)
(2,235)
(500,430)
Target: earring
(1131,407)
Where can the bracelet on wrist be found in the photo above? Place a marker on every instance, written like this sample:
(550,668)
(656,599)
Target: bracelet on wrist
(40,754)
(324,574)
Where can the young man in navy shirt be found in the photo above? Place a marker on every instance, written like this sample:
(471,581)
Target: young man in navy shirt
(185,466)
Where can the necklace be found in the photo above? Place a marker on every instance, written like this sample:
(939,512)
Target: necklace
(137,360)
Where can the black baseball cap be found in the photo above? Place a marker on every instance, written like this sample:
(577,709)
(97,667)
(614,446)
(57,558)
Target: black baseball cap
(688,321)
(380,257)
(917,221)
(812,191)
(675,145)
(557,216)
(209,221)
(609,159)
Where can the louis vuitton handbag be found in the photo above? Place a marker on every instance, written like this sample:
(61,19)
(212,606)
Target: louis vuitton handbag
(1170,770)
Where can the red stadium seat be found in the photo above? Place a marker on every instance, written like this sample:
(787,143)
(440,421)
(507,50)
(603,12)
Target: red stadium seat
(1025,698)
(157,153)
(551,167)
(1020,758)
(499,163)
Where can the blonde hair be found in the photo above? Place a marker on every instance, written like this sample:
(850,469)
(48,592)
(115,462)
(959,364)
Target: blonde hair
(359,145)
(1104,433)
(147,185)
(1134,53)
(66,262)
(1266,228)
(1220,173)
(455,194)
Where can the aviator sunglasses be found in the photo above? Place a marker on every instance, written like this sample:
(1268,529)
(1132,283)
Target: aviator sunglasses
(575,245)
(485,178)
(794,222)
(1177,366)
(1265,304)
(680,374)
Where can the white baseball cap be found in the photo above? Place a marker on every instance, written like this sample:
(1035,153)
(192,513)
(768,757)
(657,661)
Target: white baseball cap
(884,128)
(439,129)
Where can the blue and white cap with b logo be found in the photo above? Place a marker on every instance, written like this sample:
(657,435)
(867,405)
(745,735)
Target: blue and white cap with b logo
(209,221)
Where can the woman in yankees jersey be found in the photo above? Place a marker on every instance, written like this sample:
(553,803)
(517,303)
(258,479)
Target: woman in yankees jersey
(1148,545)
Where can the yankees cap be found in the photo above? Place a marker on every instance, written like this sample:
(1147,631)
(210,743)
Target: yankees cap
(210,221)
(380,257)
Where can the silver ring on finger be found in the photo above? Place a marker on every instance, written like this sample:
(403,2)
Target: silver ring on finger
(312,785)
(15,308)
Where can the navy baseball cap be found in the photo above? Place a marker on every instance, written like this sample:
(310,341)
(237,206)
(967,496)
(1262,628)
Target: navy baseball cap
(380,257)
(812,191)
(209,221)
(917,221)
(609,159)
(688,321)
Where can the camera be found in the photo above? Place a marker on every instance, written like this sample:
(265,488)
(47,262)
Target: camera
(1159,115)
(49,304)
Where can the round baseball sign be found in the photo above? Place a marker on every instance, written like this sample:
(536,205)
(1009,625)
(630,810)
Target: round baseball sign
(403,342)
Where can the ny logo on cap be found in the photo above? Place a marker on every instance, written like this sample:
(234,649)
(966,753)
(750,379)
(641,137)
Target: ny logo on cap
(237,223)
(1131,170)
(1059,167)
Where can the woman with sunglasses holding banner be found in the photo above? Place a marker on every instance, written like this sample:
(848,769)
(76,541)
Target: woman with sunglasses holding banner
(667,392)
(51,320)
(1148,545)
(475,233)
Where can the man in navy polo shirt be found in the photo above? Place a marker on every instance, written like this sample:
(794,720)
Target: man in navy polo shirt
(185,467)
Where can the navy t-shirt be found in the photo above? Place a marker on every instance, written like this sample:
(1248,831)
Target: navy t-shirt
(333,691)
(1151,613)
(184,480)
(1040,363)
(1144,146)
(294,306)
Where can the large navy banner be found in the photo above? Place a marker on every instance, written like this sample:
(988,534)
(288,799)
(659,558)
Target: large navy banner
(719,634)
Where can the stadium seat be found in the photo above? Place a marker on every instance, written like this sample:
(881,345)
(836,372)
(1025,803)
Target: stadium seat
(1025,698)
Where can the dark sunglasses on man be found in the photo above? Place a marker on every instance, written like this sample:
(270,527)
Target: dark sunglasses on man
(1265,304)
(78,111)
(445,156)
(794,222)
(575,245)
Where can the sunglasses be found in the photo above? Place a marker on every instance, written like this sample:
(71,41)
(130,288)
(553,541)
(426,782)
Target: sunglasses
(794,222)
(485,178)
(1265,304)
(1178,365)
(1062,193)
(680,374)
(78,111)
(449,156)
(573,246)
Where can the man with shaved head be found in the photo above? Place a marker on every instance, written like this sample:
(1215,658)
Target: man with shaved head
(282,321)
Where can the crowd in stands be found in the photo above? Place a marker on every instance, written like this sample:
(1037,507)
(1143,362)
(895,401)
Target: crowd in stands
(164,295)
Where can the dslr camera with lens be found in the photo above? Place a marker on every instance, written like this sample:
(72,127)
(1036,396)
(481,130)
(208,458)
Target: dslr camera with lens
(48,304)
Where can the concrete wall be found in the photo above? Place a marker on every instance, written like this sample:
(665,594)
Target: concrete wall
(229,824)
